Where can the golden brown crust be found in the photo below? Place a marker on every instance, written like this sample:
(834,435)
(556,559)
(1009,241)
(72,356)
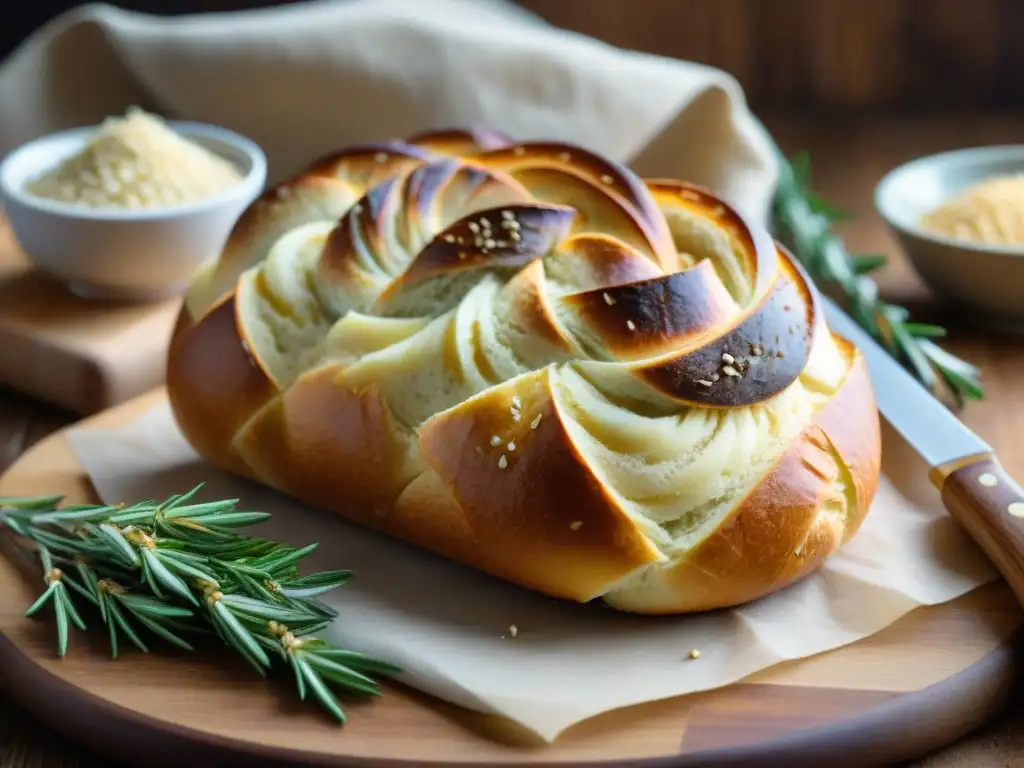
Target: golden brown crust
(527,494)
(644,319)
(778,534)
(214,383)
(472,431)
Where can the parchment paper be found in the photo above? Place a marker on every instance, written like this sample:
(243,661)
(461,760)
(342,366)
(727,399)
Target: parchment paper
(449,626)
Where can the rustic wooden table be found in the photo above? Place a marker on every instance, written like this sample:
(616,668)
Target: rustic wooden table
(849,156)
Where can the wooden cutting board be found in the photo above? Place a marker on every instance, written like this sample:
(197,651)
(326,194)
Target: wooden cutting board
(919,684)
(79,354)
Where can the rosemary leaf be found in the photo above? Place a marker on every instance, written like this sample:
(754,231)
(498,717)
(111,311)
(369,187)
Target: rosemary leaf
(62,596)
(258,609)
(116,612)
(275,565)
(167,578)
(322,692)
(181,566)
(162,631)
(340,674)
(196,511)
(19,504)
(315,584)
(42,600)
(238,635)
(60,611)
(142,567)
(143,605)
(300,680)
(120,544)
(354,660)
(177,501)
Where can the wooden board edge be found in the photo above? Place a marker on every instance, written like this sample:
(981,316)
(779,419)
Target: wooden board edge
(909,725)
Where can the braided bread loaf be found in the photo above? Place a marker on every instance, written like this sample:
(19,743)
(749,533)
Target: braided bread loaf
(527,359)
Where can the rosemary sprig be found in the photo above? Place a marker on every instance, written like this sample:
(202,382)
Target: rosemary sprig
(179,568)
(805,221)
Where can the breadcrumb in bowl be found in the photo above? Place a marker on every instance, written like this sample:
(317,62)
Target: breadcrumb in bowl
(97,208)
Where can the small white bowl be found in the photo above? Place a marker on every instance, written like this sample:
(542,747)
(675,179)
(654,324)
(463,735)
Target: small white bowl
(987,281)
(125,253)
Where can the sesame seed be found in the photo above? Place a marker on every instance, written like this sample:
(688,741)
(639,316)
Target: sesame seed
(513,630)
(607,179)
(608,299)
(511,447)
(490,242)
(474,227)
(516,237)
(577,525)
(501,243)
(690,195)
(514,225)
(516,415)
(508,216)
(357,208)
(502,462)
(695,654)
(704,382)
(495,440)
(380,157)
(485,223)
(462,255)
(536,421)
(715,377)
(449,238)
(631,325)
(565,157)
(727,358)
(516,401)
(728,370)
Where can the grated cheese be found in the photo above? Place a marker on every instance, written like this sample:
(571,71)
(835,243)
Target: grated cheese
(990,212)
(137,161)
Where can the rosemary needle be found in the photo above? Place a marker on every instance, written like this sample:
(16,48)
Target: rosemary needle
(180,569)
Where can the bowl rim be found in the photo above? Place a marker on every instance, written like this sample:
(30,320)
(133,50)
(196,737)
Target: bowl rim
(966,155)
(251,183)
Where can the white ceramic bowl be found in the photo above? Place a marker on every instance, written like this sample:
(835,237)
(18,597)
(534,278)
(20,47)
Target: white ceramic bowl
(985,281)
(125,254)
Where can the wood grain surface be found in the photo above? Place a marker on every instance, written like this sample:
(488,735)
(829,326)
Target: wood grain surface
(849,155)
(929,677)
(81,355)
(826,54)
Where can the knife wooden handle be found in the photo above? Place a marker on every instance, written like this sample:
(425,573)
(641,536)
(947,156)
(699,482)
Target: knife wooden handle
(984,499)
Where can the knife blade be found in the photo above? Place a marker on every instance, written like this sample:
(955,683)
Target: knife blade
(907,405)
(975,489)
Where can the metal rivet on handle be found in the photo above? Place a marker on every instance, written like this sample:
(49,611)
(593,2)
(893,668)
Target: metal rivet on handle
(988,479)
(1016,509)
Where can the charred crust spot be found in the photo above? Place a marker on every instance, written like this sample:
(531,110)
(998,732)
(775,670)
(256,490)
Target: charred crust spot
(481,240)
(663,311)
(782,338)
